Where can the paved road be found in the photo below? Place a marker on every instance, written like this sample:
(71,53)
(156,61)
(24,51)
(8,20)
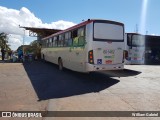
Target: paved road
(41,86)
(16,90)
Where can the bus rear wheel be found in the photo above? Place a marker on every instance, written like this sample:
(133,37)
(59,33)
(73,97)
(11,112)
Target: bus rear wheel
(43,58)
(60,64)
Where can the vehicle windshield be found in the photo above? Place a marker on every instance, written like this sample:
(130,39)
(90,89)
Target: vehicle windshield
(107,31)
(138,40)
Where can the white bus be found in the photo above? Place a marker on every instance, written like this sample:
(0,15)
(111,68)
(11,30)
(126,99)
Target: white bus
(92,45)
(135,47)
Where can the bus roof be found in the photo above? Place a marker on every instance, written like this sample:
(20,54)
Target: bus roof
(134,33)
(142,34)
(80,25)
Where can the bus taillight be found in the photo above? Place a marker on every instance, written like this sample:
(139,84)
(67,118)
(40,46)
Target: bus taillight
(90,57)
(125,54)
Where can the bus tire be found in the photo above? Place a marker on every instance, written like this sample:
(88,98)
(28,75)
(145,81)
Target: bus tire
(60,64)
(43,58)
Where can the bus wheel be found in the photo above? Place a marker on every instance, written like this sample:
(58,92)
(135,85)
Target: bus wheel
(60,64)
(43,58)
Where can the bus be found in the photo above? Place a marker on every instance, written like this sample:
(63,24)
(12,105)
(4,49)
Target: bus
(152,49)
(134,48)
(92,45)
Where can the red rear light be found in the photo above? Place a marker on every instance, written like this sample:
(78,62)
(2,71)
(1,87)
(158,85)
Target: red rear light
(90,57)
(125,54)
(91,52)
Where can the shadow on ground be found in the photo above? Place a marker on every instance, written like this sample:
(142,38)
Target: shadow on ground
(121,73)
(50,83)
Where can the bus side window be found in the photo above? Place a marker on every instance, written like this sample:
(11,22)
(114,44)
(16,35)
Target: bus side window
(129,42)
(60,42)
(75,37)
(81,36)
(43,44)
(56,41)
(50,42)
(70,40)
(47,43)
(53,42)
(66,39)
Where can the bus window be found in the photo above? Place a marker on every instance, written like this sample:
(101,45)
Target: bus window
(53,42)
(138,40)
(129,41)
(81,38)
(105,32)
(66,37)
(43,44)
(47,42)
(50,42)
(60,41)
(56,41)
(75,38)
(69,39)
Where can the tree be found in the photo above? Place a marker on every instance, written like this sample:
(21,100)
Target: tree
(36,48)
(3,43)
(3,40)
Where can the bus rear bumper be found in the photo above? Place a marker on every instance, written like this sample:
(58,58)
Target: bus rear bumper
(94,67)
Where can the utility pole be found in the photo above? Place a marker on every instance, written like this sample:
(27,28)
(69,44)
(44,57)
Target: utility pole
(23,46)
(136,28)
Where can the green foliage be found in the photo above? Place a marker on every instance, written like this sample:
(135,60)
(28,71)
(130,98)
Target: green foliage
(4,41)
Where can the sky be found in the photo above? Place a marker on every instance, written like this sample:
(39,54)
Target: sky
(61,14)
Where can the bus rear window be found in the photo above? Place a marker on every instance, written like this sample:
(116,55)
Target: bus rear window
(138,40)
(107,31)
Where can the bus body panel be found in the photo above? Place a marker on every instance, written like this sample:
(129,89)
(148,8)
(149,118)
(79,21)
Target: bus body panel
(136,55)
(74,60)
(109,53)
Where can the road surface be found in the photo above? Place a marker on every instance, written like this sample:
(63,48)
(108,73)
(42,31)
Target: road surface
(39,86)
